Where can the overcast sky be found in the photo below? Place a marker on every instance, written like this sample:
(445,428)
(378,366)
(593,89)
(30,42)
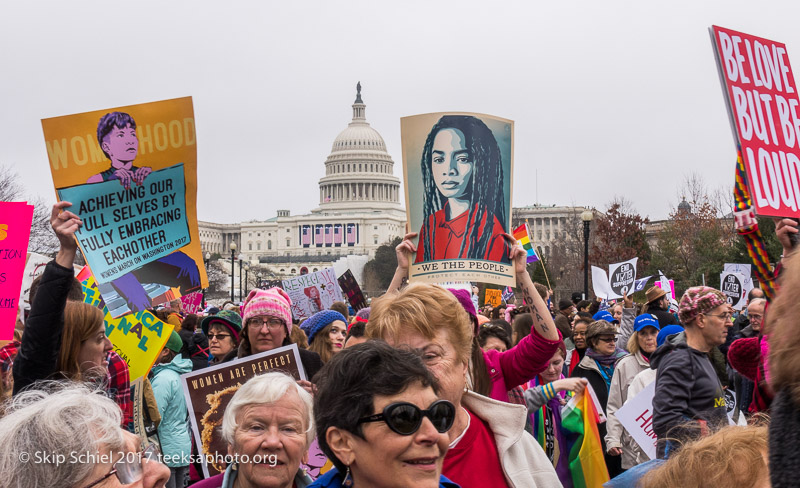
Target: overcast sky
(609,98)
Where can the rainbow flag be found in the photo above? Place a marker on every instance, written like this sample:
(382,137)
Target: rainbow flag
(580,418)
(522,236)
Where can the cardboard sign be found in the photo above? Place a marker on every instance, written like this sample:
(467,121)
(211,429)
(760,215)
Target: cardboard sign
(636,416)
(131,176)
(313,292)
(350,288)
(732,286)
(622,277)
(138,338)
(458,170)
(744,270)
(493,297)
(208,392)
(762,104)
(15,230)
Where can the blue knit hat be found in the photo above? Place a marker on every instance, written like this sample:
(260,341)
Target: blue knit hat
(319,320)
(668,331)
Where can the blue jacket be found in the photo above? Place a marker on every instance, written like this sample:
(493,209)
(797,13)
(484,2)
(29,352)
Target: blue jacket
(173,431)
(333,479)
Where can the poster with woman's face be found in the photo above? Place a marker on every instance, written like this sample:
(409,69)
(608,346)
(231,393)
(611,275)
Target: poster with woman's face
(458,169)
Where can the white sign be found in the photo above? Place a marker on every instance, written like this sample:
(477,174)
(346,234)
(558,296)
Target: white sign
(34,266)
(600,283)
(313,292)
(732,286)
(744,270)
(636,416)
(621,279)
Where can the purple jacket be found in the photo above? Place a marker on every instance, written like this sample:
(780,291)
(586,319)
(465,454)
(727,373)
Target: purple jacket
(519,364)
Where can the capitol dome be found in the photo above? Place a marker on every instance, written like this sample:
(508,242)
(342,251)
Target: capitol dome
(359,172)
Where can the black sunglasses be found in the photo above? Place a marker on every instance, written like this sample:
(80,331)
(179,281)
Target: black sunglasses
(405,418)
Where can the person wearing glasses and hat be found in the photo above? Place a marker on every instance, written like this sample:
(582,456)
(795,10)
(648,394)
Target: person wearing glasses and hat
(689,400)
(658,305)
(597,366)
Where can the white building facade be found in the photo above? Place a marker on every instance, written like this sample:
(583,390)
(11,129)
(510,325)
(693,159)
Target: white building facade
(359,210)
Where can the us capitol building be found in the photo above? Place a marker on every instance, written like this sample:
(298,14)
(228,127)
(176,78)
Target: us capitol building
(359,210)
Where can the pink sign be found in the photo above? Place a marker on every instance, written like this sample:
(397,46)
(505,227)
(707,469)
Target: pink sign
(763,107)
(193,302)
(15,230)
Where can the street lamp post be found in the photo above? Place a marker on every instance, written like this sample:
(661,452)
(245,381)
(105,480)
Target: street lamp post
(206,260)
(587,217)
(246,279)
(241,259)
(233,258)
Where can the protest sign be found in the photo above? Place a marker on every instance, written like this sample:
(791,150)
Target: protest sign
(34,266)
(762,104)
(492,297)
(743,269)
(622,276)
(508,294)
(131,176)
(457,170)
(640,284)
(138,337)
(636,416)
(665,284)
(191,303)
(313,292)
(350,288)
(15,230)
(732,286)
(600,284)
(208,391)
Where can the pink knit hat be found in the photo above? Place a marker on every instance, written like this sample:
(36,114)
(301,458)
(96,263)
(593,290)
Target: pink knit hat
(273,301)
(697,300)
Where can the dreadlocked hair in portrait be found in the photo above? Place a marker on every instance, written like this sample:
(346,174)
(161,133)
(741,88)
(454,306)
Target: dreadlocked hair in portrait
(487,195)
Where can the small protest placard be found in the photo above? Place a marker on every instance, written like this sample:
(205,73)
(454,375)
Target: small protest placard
(313,292)
(15,230)
(762,104)
(138,337)
(732,286)
(34,266)
(208,392)
(493,297)
(621,277)
(636,416)
(744,270)
(350,288)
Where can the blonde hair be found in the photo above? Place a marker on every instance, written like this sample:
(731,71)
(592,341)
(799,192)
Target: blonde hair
(81,321)
(716,460)
(781,324)
(633,343)
(422,308)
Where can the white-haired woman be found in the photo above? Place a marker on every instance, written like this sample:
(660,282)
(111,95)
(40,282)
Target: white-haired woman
(268,426)
(70,437)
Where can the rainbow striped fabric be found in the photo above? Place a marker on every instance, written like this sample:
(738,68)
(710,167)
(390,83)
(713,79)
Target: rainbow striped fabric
(522,236)
(586,463)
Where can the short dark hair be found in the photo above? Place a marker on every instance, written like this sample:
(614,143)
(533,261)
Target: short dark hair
(503,324)
(107,124)
(340,307)
(493,330)
(522,325)
(75,290)
(356,330)
(348,383)
(190,322)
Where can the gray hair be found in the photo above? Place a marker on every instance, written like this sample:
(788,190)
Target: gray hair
(266,388)
(757,301)
(60,420)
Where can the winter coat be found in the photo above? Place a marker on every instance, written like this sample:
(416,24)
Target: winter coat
(310,360)
(687,390)
(334,479)
(588,369)
(37,358)
(195,346)
(524,463)
(518,365)
(664,317)
(173,431)
(228,478)
(616,436)
(626,327)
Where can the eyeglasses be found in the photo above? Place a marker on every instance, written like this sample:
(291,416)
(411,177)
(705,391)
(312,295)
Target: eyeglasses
(272,323)
(755,316)
(405,418)
(723,316)
(128,470)
(220,337)
(608,339)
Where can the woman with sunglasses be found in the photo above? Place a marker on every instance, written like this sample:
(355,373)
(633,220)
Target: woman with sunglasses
(223,331)
(380,420)
(78,429)
(597,366)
